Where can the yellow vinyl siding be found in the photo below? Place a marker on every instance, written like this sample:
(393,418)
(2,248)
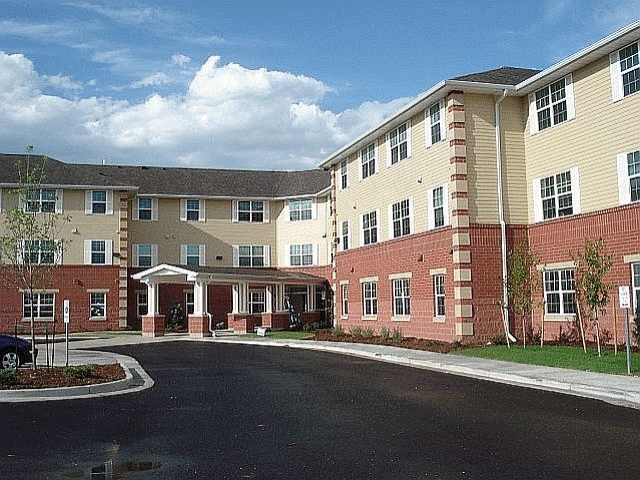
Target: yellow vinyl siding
(513,118)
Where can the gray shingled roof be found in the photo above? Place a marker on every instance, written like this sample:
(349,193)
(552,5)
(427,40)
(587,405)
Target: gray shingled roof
(500,76)
(174,181)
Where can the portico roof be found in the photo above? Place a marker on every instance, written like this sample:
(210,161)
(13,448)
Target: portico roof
(169,273)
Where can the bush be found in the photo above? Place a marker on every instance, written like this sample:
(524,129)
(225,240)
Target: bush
(397,335)
(356,332)
(368,332)
(81,371)
(310,327)
(385,334)
(498,340)
(337,331)
(570,336)
(8,376)
(175,317)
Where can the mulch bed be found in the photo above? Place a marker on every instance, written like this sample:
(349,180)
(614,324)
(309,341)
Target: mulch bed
(412,343)
(56,377)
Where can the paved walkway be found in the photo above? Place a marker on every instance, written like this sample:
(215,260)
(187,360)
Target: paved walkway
(614,389)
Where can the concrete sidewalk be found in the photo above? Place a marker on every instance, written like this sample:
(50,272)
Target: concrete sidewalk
(614,389)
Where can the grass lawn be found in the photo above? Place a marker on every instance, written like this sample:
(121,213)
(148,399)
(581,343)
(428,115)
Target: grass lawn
(559,356)
(283,335)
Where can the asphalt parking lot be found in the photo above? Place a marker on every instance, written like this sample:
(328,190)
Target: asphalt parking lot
(239,411)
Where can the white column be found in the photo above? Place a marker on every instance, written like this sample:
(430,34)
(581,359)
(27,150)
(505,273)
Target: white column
(268,299)
(280,298)
(199,298)
(240,298)
(152,298)
(311,298)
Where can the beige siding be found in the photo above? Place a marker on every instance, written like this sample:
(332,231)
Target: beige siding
(512,120)
(601,130)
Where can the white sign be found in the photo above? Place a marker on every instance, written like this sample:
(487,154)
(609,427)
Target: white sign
(625,298)
(66,306)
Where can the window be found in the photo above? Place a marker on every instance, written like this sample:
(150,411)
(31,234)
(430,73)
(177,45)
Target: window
(43,200)
(635,283)
(251,256)
(370,298)
(192,210)
(97,304)
(145,255)
(142,304)
(146,208)
(301,210)
(192,255)
(38,304)
(252,211)
(98,252)
(369,228)
(625,72)
(629,177)
(257,300)
(189,302)
(345,299)
(368,161)
(438,205)
(551,105)
(98,202)
(301,255)
(344,175)
(401,297)
(399,143)
(345,235)
(39,252)
(401,219)
(435,123)
(556,195)
(559,292)
(438,295)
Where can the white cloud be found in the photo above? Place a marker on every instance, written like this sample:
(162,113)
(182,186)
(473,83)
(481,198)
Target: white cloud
(229,116)
(62,82)
(179,59)
(158,78)
(126,15)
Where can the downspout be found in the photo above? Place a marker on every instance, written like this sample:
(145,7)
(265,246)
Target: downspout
(503,226)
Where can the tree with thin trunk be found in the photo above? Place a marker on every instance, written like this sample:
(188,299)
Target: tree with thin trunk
(31,245)
(592,264)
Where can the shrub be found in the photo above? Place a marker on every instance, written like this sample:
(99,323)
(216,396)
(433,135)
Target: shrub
(570,336)
(310,327)
(81,371)
(368,332)
(498,340)
(8,376)
(175,317)
(397,335)
(385,334)
(356,332)
(337,331)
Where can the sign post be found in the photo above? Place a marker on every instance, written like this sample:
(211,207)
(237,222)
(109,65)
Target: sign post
(625,302)
(67,314)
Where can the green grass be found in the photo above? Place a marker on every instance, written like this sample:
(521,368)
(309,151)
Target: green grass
(559,356)
(284,335)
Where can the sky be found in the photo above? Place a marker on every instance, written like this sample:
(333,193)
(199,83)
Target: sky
(275,85)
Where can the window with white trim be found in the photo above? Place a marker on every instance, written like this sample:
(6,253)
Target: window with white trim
(629,177)
(193,210)
(301,255)
(344,175)
(345,235)
(370,298)
(368,161)
(40,304)
(145,208)
(401,218)
(97,304)
(399,143)
(142,303)
(369,228)
(625,71)
(401,297)
(98,202)
(345,299)
(552,105)
(252,211)
(39,252)
(635,284)
(559,292)
(257,300)
(98,252)
(189,302)
(301,209)
(557,195)
(145,255)
(435,123)
(192,254)
(438,295)
(42,200)
(437,210)
(252,256)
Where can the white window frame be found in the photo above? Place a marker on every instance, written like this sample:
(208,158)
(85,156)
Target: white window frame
(403,220)
(370,299)
(344,174)
(433,206)
(186,252)
(256,208)
(94,302)
(344,299)
(39,305)
(629,177)
(368,161)
(298,254)
(345,235)
(401,296)
(152,209)
(297,210)
(189,302)
(538,199)
(617,72)
(257,302)
(439,296)
(137,252)
(635,284)
(435,122)
(90,204)
(142,300)
(40,253)
(371,229)
(201,210)
(36,203)
(535,106)
(564,278)
(252,253)
(89,250)
(395,139)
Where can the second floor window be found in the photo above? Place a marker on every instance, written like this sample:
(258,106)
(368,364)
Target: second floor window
(401,218)
(192,255)
(98,202)
(368,161)
(436,125)
(145,208)
(98,252)
(39,252)
(145,255)
(625,71)
(552,105)
(300,209)
(629,177)
(301,255)
(252,256)
(438,207)
(42,200)
(345,235)
(369,228)
(251,211)
(556,195)
(193,210)
(399,143)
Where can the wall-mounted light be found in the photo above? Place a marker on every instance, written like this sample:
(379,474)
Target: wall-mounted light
(75,230)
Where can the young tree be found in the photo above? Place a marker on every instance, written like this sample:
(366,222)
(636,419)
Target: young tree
(31,245)
(522,281)
(592,264)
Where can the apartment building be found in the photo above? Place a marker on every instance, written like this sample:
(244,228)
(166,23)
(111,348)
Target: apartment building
(231,246)
(429,202)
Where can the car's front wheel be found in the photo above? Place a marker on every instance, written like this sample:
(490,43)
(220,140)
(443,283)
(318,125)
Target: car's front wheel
(10,359)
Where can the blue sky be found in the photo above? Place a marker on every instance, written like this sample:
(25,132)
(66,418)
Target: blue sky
(254,84)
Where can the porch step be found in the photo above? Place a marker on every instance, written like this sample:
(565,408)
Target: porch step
(223,333)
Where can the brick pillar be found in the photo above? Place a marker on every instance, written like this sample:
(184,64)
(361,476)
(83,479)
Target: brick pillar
(199,326)
(153,325)
(459,201)
(123,249)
